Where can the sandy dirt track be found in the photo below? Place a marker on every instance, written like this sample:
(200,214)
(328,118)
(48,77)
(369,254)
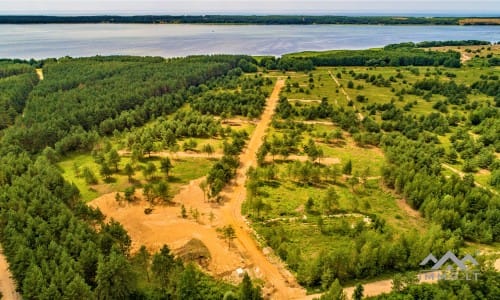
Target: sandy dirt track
(7,284)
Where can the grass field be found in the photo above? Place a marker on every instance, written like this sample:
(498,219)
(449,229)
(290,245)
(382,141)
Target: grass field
(184,170)
(390,85)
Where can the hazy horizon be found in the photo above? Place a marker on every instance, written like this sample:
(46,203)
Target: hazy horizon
(256,7)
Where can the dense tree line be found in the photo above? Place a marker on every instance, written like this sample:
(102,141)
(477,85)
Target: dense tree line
(430,44)
(58,247)
(248,102)
(16,82)
(107,93)
(224,170)
(404,57)
(414,169)
(230,19)
(485,287)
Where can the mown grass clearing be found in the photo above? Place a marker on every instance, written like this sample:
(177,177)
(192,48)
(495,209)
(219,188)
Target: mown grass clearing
(184,170)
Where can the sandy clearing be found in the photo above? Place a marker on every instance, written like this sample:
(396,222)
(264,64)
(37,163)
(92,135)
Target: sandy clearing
(7,284)
(165,225)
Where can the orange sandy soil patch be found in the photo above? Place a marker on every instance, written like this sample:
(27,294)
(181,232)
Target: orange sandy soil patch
(166,226)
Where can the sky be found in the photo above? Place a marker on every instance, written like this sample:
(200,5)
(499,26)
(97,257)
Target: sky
(197,7)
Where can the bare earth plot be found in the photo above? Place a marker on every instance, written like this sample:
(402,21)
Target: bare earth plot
(165,225)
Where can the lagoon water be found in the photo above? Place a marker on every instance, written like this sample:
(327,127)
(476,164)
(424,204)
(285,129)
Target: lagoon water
(169,40)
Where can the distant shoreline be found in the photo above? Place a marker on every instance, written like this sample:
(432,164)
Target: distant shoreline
(249,20)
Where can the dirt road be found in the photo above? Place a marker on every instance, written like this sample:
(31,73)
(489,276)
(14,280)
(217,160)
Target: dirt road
(280,283)
(7,284)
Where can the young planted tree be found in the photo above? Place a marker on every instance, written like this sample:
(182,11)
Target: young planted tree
(114,159)
(129,194)
(143,259)
(149,170)
(347,169)
(149,194)
(129,171)
(166,166)
(204,187)
(162,191)
(208,149)
(106,171)
(89,176)
(229,234)
(330,200)
(358,292)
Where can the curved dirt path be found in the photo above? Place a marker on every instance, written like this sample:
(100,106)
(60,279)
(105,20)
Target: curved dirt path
(360,115)
(462,174)
(7,284)
(280,283)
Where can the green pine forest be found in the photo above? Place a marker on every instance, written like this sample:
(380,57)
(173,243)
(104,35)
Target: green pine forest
(374,126)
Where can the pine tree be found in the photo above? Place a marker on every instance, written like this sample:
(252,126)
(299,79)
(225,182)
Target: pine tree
(114,159)
(335,292)
(115,277)
(143,260)
(166,166)
(247,291)
(187,286)
(347,170)
(358,292)
(162,264)
(77,289)
(129,171)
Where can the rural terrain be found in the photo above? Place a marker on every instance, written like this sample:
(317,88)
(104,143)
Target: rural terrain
(312,176)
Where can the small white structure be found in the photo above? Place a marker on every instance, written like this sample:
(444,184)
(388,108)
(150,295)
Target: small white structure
(240,272)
